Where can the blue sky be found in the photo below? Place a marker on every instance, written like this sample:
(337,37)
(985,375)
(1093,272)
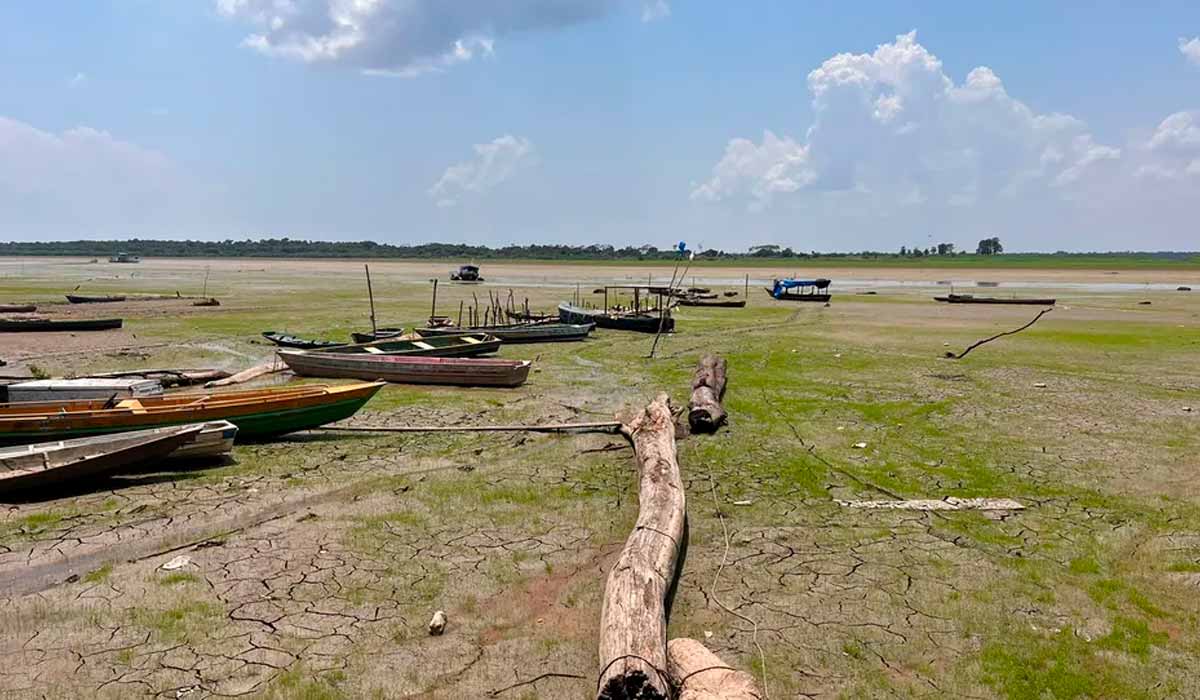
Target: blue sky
(816,125)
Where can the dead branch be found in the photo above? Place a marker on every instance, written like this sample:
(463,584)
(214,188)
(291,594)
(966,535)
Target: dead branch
(532,681)
(976,344)
(633,619)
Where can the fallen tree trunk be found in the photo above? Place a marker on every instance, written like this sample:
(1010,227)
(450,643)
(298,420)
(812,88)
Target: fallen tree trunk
(699,674)
(633,619)
(248,374)
(705,412)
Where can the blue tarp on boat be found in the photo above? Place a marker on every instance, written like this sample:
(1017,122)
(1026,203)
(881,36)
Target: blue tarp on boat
(783,285)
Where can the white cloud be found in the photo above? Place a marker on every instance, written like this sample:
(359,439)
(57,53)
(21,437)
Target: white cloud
(1173,151)
(655,9)
(1190,48)
(77,79)
(494,163)
(401,38)
(86,182)
(892,124)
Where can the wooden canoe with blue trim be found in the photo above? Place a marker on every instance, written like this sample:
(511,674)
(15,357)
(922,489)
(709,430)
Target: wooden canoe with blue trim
(258,413)
(458,344)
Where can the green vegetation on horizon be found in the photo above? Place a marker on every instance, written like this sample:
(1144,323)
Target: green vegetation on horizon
(759,255)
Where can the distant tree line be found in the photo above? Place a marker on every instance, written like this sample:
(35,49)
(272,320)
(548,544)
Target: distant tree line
(293,248)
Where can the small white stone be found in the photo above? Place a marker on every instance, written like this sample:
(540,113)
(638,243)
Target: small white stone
(178,562)
(859,445)
(437,625)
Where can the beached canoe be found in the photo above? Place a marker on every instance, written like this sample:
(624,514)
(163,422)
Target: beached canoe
(971,299)
(17,308)
(48,463)
(640,322)
(81,299)
(284,340)
(258,413)
(520,332)
(45,325)
(458,371)
(453,345)
(378,334)
(714,303)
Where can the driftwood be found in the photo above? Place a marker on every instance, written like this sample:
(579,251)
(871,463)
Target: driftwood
(976,344)
(705,413)
(699,674)
(248,374)
(633,619)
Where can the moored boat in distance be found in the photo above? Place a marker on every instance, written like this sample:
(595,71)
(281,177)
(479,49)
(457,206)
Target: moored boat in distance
(642,322)
(284,340)
(43,464)
(17,308)
(800,290)
(453,345)
(46,325)
(258,413)
(713,303)
(83,299)
(466,273)
(457,371)
(972,299)
(521,332)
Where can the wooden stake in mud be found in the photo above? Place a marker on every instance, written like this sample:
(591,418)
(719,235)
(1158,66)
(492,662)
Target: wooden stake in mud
(371,297)
(633,619)
(705,412)
(700,674)
(746,288)
(433,309)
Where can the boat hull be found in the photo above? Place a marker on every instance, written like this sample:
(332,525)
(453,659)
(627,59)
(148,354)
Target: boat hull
(17,308)
(741,303)
(821,297)
(289,341)
(33,469)
(258,414)
(56,326)
(77,299)
(952,299)
(453,371)
(639,323)
(522,333)
(458,344)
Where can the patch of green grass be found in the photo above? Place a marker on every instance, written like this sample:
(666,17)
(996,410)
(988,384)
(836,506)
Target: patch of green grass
(297,683)
(1062,667)
(98,575)
(1084,565)
(1131,636)
(177,577)
(188,620)
(1184,567)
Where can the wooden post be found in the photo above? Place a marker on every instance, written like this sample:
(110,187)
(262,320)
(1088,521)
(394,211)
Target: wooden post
(633,619)
(371,296)
(433,309)
(746,290)
(699,674)
(705,413)
(460,307)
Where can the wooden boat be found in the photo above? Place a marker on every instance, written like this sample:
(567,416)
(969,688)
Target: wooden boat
(378,334)
(1183,288)
(523,317)
(290,341)
(44,325)
(713,303)
(17,308)
(81,299)
(645,322)
(458,371)
(521,332)
(211,301)
(970,299)
(800,290)
(698,290)
(452,345)
(47,463)
(257,413)
(216,439)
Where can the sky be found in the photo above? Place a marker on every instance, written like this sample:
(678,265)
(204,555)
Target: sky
(815,125)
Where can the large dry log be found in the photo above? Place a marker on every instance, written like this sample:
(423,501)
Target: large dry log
(633,620)
(248,374)
(705,413)
(699,674)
